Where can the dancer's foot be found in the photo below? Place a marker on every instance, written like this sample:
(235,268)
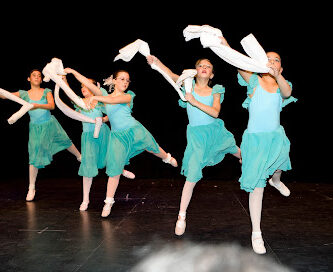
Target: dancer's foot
(283,189)
(107,208)
(169,159)
(30,195)
(258,243)
(79,158)
(84,206)
(180,225)
(128,174)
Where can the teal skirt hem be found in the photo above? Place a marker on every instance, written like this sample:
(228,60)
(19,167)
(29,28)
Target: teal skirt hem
(262,154)
(126,144)
(207,145)
(93,152)
(45,140)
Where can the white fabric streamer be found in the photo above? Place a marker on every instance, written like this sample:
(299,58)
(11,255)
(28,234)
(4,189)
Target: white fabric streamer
(209,37)
(26,106)
(74,114)
(52,71)
(186,79)
(129,51)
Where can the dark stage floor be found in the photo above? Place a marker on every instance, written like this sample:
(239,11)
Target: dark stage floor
(51,234)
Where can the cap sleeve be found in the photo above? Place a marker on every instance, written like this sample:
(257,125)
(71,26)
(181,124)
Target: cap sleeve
(182,103)
(24,95)
(253,82)
(132,95)
(288,100)
(219,89)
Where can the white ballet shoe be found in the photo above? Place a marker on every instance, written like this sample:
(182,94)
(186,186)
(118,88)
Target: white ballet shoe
(258,245)
(84,206)
(128,174)
(283,189)
(30,195)
(107,208)
(169,159)
(180,225)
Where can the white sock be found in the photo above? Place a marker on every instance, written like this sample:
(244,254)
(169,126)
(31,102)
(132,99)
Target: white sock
(182,215)
(109,200)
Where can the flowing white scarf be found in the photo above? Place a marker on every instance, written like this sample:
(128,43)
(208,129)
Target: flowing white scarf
(209,37)
(128,52)
(53,71)
(26,106)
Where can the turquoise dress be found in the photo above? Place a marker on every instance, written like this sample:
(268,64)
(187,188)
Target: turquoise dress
(208,141)
(265,146)
(46,136)
(93,150)
(128,137)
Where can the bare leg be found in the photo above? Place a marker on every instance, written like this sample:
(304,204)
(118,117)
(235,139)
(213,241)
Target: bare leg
(86,191)
(184,202)
(255,207)
(33,171)
(72,149)
(112,186)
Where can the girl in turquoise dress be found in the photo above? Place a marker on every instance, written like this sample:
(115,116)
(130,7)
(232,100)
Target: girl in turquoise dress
(46,136)
(208,141)
(93,149)
(265,146)
(127,138)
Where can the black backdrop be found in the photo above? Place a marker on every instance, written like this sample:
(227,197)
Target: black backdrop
(87,39)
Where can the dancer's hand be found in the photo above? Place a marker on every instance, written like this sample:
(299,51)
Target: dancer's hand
(69,70)
(275,72)
(90,102)
(35,106)
(151,59)
(190,98)
(224,41)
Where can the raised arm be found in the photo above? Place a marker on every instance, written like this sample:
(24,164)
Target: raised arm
(119,99)
(284,86)
(15,93)
(154,60)
(85,81)
(246,75)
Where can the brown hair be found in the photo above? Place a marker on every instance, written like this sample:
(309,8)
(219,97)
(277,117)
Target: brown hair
(115,74)
(34,70)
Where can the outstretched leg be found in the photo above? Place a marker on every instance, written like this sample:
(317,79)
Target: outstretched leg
(278,184)
(166,157)
(72,149)
(33,171)
(112,186)
(184,202)
(255,207)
